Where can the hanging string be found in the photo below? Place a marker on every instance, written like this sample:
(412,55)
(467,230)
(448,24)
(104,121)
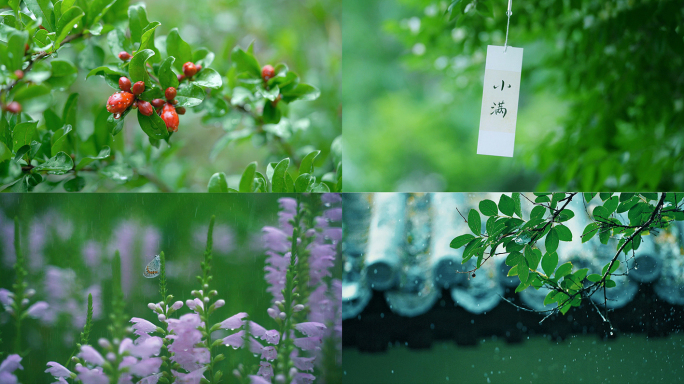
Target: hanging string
(508,13)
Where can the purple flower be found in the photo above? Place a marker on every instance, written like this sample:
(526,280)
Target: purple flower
(269,353)
(177,305)
(9,365)
(91,252)
(146,367)
(91,376)
(272,337)
(255,346)
(192,304)
(313,329)
(303,378)
(265,370)
(255,379)
(308,343)
(275,239)
(152,379)
(6,297)
(331,198)
(193,377)
(236,340)
(90,355)
(37,310)
(185,337)
(146,348)
(57,370)
(333,214)
(234,321)
(304,363)
(142,327)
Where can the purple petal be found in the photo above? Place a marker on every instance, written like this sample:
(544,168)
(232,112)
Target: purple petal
(91,376)
(312,329)
(6,297)
(303,378)
(37,310)
(235,340)
(142,326)
(272,337)
(146,367)
(57,370)
(304,363)
(254,379)
(269,353)
(234,321)
(308,343)
(90,355)
(11,363)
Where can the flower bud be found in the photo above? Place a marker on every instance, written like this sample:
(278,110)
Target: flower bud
(158,103)
(161,317)
(111,356)
(124,84)
(152,306)
(30,292)
(104,343)
(138,88)
(219,303)
(272,313)
(298,307)
(177,305)
(24,302)
(282,315)
(123,56)
(206,300)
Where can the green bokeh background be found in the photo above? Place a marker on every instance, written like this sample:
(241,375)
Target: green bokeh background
(179,218)
(600,100)
(306,35)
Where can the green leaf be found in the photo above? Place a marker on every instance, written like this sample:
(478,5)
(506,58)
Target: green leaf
(549,263)
(97,9)
(611,204)
(104,153)
(589,196)
(550,297)
(92,56)
(22,151)
(153,126)
(589,231)
(178,48)
(167,78)
(44,10)
(594,278)
(300,92)
(507,205)
(523,273)
(15,49)
(28,92)
(23,134)
(604,235)
(64,74)
(271,114)
(580,275)
(118,172)
(137,21)
(474,222)
(137,68)
(116,125)
(517,205)
(564,233)
(306,165)
(247,179)
(532,257)
(460,241)
(217,183)
(67,22)
(600,213)
(279,183)
(74,185)
(59,164)
(614,268)
(538,212)
(189,95)
(304,183)
(60,141)
(513,258)
(147,39)
(565,215)
(203,57)
(246,62)
(563,270)
(208,78)
(488,208)
(117,41)
(610,284)
(552,241)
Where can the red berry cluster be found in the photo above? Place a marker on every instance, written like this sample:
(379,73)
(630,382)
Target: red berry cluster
(128,97)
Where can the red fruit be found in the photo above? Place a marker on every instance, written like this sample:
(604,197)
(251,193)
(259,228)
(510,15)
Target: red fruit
(170,117)
(138,88)
(180,110)
(124,56)
(145,108)
(199,67)
(158,103)
(13,107)
(124,84)
(170,93)
(180,77)
(19,74)
(120,102)
(267,72)
(189,69)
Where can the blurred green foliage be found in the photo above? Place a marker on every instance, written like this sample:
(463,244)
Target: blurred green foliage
(600,107)
(135,224)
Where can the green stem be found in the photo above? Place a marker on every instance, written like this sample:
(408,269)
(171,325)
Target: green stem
(19,286)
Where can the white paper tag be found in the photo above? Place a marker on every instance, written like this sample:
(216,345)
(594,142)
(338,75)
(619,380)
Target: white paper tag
(500,101)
